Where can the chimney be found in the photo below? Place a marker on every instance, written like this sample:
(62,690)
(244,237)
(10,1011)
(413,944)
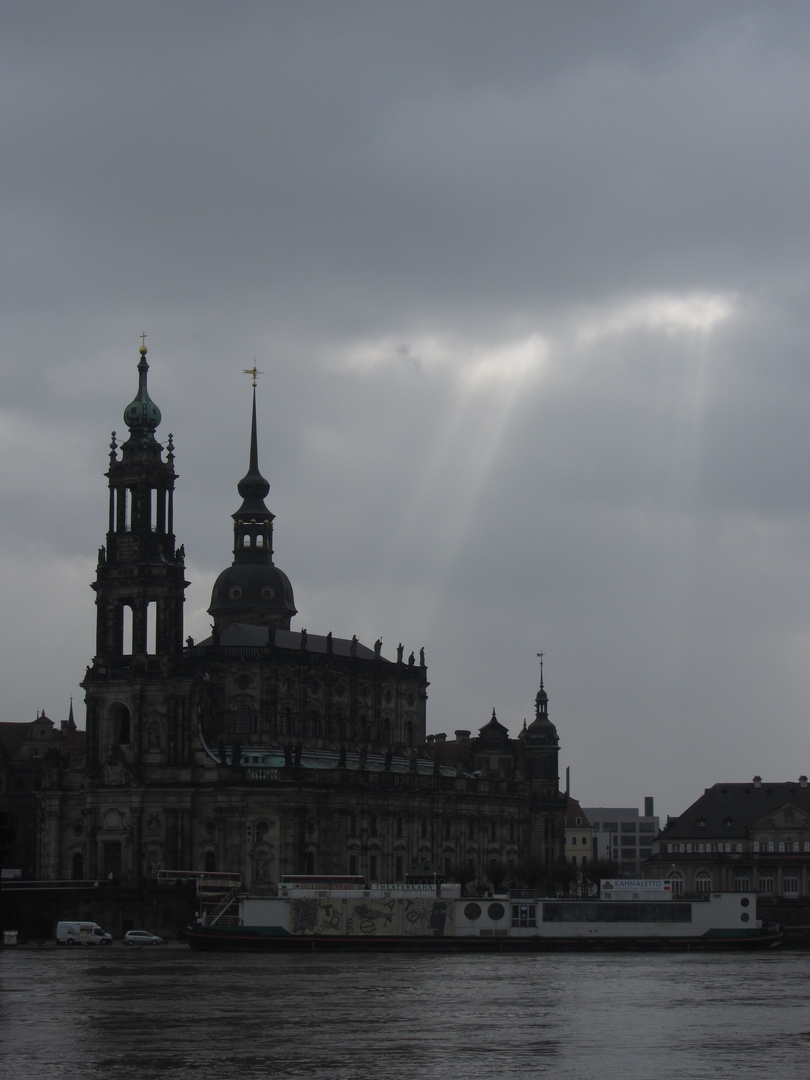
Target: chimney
(757,781)
(462,736)
(803,781)
(440,736)
(649,806)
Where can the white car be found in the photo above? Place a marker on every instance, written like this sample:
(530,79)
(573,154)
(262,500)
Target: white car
(141,937)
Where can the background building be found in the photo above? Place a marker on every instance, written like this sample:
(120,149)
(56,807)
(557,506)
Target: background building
(29,754)
(740,837)
(623,835)
(579,844)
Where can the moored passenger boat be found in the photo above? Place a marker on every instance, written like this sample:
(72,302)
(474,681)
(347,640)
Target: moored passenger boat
(315,915)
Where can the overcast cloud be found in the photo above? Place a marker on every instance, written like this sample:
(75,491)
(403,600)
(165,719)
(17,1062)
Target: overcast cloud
(529,285)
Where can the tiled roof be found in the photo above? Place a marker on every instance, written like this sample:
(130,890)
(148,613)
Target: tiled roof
(573,811)
(738,805)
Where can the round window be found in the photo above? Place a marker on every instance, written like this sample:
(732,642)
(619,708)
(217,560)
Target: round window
(268,592)
(496,911)
(472,912)
(235,593)
(745,902)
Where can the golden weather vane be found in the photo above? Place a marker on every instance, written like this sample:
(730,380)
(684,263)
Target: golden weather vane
(253,372)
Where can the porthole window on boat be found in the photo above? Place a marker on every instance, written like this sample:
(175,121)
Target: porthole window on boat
(496,911)
(472,912)
(745,902)
(745,917)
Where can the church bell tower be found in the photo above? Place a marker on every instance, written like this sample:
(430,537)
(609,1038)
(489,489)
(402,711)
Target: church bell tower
(140,584)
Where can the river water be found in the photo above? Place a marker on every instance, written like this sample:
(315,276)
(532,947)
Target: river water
(176,1015)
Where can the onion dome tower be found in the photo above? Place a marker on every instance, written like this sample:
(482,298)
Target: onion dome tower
(140,590)
(252,590)
(140,569)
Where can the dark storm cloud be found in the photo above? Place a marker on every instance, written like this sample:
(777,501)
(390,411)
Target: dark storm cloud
(529,284)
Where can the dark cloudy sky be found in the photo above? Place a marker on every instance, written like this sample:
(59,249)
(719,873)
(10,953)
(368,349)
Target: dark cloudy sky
(529,283)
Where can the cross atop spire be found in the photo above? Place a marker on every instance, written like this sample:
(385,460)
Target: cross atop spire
(541,655)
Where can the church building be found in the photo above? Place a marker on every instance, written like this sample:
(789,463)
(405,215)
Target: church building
(264,750)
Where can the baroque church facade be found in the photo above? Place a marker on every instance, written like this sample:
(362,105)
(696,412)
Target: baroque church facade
(263,750)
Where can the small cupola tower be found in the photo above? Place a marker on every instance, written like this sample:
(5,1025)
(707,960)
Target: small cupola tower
(542,744)
(140,578)
(252,590)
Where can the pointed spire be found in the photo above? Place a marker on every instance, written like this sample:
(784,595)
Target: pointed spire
(253,590)
(541,700)
(253,487)
(71,722)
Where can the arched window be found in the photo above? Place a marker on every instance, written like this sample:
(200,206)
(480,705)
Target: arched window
(790,883)
(121,728)
(210,862)
(703,882)
(77,866)
(677,883)
(766,883)
(240,719)
(127,630)
(742,882)
(310,863)
(424,828)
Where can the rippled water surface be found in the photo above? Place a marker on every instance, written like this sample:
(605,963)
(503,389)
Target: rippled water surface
(171,1013)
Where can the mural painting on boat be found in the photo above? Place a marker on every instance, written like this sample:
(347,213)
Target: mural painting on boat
(372,916)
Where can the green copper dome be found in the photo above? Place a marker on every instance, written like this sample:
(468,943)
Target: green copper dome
(142,414)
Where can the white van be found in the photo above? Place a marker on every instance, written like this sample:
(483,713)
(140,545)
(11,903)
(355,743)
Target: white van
(81,933)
